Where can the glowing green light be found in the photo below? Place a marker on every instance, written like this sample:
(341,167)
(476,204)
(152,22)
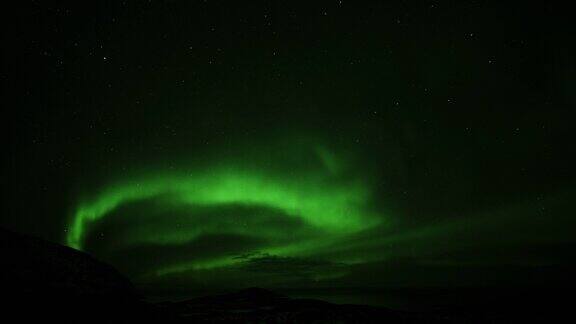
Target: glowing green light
(328,205)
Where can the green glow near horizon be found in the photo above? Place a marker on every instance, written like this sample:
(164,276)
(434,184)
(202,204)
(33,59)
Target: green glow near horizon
(329,205)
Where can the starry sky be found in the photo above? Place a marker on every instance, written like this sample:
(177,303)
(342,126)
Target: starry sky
(214,144)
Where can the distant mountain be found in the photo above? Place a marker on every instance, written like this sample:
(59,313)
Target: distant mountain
(256,305)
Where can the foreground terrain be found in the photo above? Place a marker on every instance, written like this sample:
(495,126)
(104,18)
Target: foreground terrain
(43,281)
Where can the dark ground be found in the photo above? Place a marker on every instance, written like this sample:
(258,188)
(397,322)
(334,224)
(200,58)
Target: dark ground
(43,281)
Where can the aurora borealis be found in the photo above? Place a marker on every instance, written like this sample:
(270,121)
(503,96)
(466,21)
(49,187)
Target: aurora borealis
(204,145)
(291,214)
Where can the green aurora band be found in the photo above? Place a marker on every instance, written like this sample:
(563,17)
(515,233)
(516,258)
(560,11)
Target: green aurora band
(293,201)
(298,203)
(329,204)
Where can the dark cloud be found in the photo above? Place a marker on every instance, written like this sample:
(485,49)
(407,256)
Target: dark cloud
(290,267)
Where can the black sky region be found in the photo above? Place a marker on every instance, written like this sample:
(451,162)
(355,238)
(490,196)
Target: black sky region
(462,111)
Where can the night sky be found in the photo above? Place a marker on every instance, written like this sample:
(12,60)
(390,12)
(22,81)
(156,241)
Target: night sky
(226,144)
